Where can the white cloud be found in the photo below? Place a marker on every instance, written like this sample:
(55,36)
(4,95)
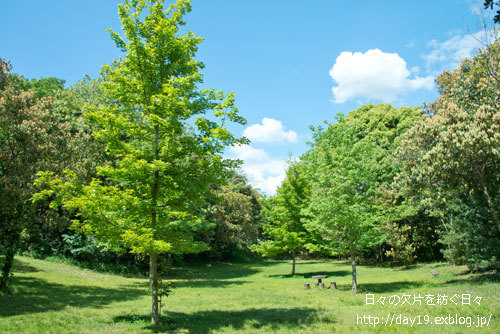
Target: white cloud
(373,75)
(263,172)
(271,130)
(451,52)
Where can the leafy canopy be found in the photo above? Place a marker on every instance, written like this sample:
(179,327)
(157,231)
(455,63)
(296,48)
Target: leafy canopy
(342,208)
(165,137)
(284,225)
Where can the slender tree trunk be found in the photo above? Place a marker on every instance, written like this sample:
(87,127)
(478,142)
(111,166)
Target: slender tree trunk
(7,266)
(153,258)
(153,279)
(354,280)
(293,262)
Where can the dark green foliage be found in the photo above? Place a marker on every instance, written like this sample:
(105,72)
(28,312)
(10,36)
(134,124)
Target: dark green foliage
(45,232)
(49,232)
(43,87)
(425,236)
(490,4)
(30,139)
(235,211)
(470,237)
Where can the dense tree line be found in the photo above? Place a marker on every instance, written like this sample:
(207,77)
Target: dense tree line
(401,183)
(232,209)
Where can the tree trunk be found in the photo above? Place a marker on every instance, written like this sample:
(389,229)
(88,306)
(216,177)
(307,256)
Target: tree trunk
(153,280)
(153,258)
(293,263)
(7,266)
(354,281)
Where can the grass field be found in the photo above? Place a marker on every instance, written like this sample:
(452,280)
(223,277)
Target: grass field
(53,297)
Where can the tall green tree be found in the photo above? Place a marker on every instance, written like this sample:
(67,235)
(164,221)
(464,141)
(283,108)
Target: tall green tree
(406,227)
(451,160)
(283,224)
(166,137)
(352,169)
(343,206)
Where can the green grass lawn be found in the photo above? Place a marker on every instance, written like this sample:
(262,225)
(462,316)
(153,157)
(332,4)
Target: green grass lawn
(53,297)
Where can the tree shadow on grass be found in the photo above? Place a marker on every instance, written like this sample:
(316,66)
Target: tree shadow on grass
(267,263)
(477,278)
(194,283)
(218,271)
(206,283)
(212,321)
(37,295)
(319,261)
(330,274)
(19,266)
(386,287)
(23,267)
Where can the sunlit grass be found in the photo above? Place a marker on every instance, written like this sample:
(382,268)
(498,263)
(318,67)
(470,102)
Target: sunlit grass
(53,297)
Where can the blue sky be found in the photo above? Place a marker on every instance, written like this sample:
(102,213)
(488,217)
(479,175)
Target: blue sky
(290,63)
